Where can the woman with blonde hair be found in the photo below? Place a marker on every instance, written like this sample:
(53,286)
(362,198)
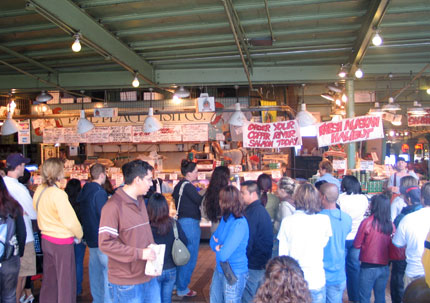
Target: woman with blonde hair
(60,228)
(284,282)
(303,237)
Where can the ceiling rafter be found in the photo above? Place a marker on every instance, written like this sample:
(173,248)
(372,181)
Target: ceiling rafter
(236,39)
(373,19)
(71,15)
(28,59)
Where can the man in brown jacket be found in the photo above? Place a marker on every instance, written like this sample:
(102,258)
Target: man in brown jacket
(124,236)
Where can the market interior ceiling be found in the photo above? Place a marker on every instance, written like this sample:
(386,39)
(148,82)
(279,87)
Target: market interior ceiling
(208,42)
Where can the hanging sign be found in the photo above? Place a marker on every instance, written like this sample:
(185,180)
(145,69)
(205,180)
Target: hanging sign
(419,121)
(350,130)
(271,135)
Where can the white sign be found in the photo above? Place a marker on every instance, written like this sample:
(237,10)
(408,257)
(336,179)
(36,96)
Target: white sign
(366,165)
(339,164)
(271,135)
(24,136)
(206,103)
(276,174)
(350,130)
(105,112)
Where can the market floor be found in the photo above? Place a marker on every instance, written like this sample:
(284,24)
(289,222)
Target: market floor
(200,281)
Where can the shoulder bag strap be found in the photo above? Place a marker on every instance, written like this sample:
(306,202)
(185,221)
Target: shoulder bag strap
(175,230)
(181,190)
(395,179)
(38,199)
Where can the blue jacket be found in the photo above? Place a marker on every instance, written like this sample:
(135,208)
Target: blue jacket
(233,237)
(260,242)
(92,198)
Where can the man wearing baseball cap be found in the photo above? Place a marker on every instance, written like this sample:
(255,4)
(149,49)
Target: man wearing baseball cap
(15,166)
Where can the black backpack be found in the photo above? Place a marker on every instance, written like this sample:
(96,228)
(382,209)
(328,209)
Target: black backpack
(8,241)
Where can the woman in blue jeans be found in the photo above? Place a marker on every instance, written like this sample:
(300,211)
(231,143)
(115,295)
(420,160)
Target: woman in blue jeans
(187,202)
(162,230)
(373,238)
(229,243)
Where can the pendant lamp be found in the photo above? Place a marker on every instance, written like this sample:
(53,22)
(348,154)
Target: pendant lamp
(10,126)
(44,97)
(84,125)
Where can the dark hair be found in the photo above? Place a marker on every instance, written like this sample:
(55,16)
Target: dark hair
(158,213)
(380,209)
(284,282)
(350,185)
(307,198)
(108,187)
(425,193)
(8,205)
(187,167)
(230,202)
(251,187)
(414,195)
(264,182)
(135,168)
(318,184)
(219,180)
(73,188)
(25,177)
(96,170)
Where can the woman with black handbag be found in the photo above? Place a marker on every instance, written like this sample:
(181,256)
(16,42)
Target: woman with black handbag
(229,242)
(163,231)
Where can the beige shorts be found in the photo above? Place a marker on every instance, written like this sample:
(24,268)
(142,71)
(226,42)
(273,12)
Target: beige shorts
(28,261)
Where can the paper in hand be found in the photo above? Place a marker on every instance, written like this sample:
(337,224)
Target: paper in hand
(155,267)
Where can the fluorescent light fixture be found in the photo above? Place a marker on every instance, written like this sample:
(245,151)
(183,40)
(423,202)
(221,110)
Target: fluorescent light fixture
(76,46)
(359,73)
(417,110)
(151,124)
(428,91)
(327,97)
(335,88)
(391,106)
(182,92)
(135,82)
(238,117)
(377,39)
(397,120)
(10,126)
(84,125)
(44,97)
(375,111)
(304,117)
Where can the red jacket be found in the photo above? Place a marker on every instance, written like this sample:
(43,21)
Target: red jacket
(374,245)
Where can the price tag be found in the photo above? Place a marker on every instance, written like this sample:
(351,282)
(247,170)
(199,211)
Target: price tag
(173,177)
(366,165)
(201,176)
(339,164)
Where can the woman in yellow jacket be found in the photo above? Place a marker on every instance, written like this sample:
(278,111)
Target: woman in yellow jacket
(60,228)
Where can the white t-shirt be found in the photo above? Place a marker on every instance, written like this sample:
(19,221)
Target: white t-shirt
(412,232)
(355,206)
(396,207)
(303,237)
(21,194)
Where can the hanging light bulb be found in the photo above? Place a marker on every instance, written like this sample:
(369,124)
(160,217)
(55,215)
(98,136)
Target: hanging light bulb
(428,91)
(76,46)
(377,39)
(359,73)
(135,82)
(344,98)
(338,102)
(342,72)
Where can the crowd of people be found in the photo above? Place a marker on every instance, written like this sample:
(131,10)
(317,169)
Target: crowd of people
(302,243)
